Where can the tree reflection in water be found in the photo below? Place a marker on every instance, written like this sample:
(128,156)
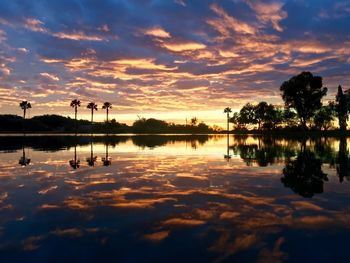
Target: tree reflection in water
(92,159)
(106,160)
(343,161)
(75,162)
(24,161)
(304,175)
(253,150)
(265,152)
(227,156)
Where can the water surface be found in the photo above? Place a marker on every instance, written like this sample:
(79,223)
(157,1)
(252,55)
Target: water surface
(173,198)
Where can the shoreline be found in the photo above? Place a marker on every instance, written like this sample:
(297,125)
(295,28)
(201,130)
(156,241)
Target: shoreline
(281,133)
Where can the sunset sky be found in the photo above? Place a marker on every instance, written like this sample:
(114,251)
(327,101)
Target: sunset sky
(168,59)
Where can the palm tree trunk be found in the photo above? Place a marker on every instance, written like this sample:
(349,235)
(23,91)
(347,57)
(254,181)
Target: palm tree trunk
(75,117)
(75,154)
(92,116)
(107,114)
(228,125)
(228,144)
(24,113)
(91,151)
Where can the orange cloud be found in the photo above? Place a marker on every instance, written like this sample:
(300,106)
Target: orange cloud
(269,12)
(77,35)
(183,222)
(157,32)
(49,76)
(185,46)
(34,25)
(158,236)
(229,22)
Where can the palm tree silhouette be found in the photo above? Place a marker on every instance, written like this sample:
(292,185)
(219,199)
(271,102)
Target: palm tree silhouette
(24,106)
(107,106)
(24,161)
(227,155)
(106,160)
(228,111)
(75,162)
(92,159)
(75,104)
(92,106)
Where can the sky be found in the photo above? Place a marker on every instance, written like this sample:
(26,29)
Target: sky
(167,59)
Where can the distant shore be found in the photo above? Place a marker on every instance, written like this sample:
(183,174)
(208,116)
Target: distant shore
(279,133)
(59,125)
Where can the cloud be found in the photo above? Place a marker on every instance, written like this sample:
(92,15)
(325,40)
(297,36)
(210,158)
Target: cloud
(23,50)
(269,12)
(2,36)
(78,35)
(157,32)
(183,222)
(104,28)
(49,76)
(184,46)
(228,22)
(157,236)
(180,2)
(34,25)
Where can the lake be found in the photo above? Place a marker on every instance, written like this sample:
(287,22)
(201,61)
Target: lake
(174,198)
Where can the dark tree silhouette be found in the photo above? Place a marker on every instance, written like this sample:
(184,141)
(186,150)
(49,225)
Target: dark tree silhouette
(343,160)
(93,107)
(267,116)
(289,117)
(304,175)
(75,163)
(92,159)
(324,117)
(254,153)
(227,155)
(194,121)
(247,115)
(25,105)
(106,160)
(236,120)
(107,106)
(261,111)
(303,93)
(274,117)
(228,111)
(342,108)
(75,104)
(24,161)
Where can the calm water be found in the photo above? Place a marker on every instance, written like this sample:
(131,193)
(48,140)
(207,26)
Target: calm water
(174,199)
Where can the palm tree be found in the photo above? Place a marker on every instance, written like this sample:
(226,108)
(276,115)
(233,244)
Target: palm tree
(228,111)
(75,104)
(92,106)
(107,106)
(24,106)
(194,121)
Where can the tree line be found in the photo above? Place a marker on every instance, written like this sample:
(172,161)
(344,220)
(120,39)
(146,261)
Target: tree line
(62,124)
(303,108)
